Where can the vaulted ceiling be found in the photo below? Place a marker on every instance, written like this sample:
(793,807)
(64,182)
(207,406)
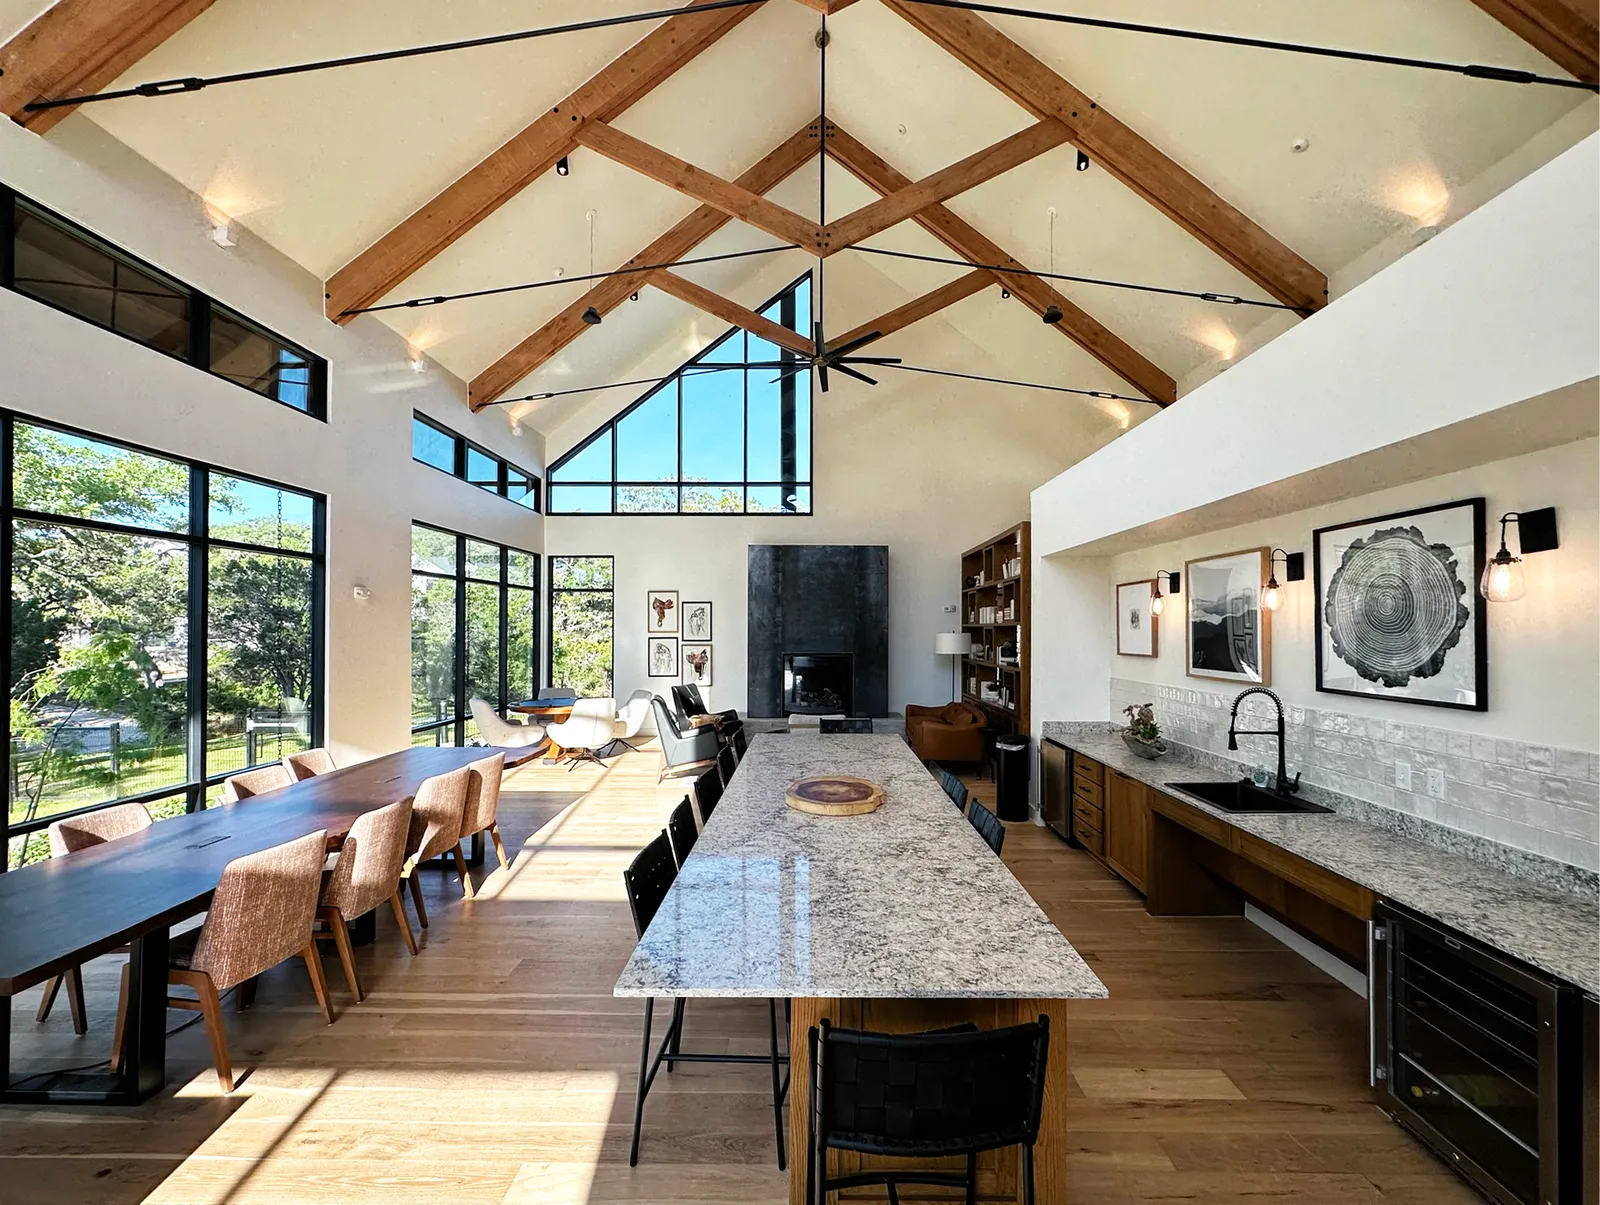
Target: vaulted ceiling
(698,136)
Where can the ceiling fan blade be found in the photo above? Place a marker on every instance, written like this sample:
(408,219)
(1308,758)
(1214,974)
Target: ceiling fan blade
(822,374)
(855,343)
(967,376)
(850,372)
(869,360)
(816,333)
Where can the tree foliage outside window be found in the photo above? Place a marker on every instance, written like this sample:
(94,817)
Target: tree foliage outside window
(581,619)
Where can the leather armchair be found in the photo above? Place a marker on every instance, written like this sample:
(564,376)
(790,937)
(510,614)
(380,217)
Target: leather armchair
(952,733)
(679,748)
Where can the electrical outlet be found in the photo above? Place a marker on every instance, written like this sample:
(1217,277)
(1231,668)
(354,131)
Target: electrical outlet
(1436,783)
(1402,775)
(949,608)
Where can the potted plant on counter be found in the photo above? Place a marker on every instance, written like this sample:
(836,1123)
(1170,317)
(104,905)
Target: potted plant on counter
(1143,734)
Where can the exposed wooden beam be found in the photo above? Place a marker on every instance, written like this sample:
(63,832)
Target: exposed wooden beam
(550,339)
(969,243)
(919,308)
(77,47)
(1120,151)
(948,182)
(1566,32)
(732,312)
(526,157)
(827,6)
(731,198)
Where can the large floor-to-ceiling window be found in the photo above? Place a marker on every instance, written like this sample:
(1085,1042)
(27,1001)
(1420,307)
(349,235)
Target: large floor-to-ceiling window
(581,615)
(474,611)
(164,627)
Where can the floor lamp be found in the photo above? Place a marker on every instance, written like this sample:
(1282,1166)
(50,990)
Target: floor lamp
(952,644)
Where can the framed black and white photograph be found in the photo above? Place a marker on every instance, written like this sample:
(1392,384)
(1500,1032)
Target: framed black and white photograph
(1136,627)
(697,621)
(661,612)
(1398,612)
(697,664)
(1229,633)
(661,656)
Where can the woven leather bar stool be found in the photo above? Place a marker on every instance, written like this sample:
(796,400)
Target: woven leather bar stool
(987,824)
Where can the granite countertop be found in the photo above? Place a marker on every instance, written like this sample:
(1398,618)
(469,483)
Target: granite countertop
(906,901)
(1557,931)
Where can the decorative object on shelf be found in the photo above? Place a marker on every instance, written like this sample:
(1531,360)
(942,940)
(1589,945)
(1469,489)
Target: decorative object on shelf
(1397,617)
(1158,602)
(1502,579)
(952,644)
(1006,655)
(1294,570)
(661,657)
(834,795)
(1229,634)
(697,663)
(697,621)
(1143,734)
(662,612)
(1136,620)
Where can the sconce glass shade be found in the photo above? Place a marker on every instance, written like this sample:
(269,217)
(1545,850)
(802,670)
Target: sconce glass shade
(1269,596)
(1157,603)
(1502,578)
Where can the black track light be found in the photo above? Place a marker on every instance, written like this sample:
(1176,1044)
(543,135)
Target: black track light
(1053,315)
(1005,293)
(592,316)
(563,168)
(635,297)
(1083,162)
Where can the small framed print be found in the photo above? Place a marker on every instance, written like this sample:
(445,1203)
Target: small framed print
(1136,626)
(661,612)
(697,664)
(697,621)
(661,654)
(1230,633)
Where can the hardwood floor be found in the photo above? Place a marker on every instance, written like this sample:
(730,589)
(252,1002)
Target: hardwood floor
(497,1067)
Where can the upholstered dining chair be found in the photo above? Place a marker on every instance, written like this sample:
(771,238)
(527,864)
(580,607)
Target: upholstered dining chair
(478,813)
(590,728)
(250,783)
(68,837)
(309,763)
(502,733)
(436,811)
(366,874)
(261,914)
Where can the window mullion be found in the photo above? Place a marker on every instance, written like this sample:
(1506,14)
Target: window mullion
(199,634)
(460,683)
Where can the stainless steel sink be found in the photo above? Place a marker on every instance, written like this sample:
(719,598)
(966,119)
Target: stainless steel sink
(1244,796)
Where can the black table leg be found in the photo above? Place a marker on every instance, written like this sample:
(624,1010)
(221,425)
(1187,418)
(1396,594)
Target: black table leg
(144,1060)
(364,929)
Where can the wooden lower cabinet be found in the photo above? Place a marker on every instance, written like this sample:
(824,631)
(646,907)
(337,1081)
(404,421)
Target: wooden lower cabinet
(1127,827)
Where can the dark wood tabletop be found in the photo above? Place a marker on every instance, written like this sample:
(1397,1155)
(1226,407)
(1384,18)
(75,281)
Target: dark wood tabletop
(64,911)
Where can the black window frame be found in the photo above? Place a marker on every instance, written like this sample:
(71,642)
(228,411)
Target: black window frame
(200,543)
(461,578)
(789,479)
(461,448)
(550,610)
(197,350)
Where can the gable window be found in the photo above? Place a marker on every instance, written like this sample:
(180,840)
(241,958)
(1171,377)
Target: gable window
(714,438)
(441,448)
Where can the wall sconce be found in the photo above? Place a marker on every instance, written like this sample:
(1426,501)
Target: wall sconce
(1157,599)
(1294,570)
(222,232)
(1536,532)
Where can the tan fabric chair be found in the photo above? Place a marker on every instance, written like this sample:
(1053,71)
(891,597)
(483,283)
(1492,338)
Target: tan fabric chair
(255,782)
(483,801)
(366,874)
(261,914)
(308,764)
(68,837)
(952,733)
(436,812)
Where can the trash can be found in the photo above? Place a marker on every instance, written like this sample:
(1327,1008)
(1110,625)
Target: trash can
(1011,777)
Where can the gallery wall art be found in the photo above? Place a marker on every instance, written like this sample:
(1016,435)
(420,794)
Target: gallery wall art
(661,612)
(697,664)
(1229,634)
(697,621)
(661,656)
(1136,626)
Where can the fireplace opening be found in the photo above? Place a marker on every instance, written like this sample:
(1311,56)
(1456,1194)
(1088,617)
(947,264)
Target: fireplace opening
(818,683)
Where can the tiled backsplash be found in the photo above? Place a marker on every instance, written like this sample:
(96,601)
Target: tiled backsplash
(1530,797)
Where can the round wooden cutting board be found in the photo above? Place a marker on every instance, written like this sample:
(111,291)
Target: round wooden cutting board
(834,795)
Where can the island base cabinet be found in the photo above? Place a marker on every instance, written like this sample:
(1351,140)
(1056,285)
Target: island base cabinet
(1127,828)
(999,1172)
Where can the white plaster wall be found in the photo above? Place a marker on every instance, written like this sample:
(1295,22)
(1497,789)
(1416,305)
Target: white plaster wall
(57,367)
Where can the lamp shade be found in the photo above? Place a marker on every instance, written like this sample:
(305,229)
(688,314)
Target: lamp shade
(952,644)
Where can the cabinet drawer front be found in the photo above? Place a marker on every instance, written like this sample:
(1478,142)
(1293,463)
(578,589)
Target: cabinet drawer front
(1082,788)
(1086,767)
(1089,813)
(1089,837)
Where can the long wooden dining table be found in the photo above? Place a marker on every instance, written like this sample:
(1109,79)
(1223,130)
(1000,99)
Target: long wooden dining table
(61,912)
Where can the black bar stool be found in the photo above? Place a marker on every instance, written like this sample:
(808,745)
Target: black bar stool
(727,763)
(924,1096)
(681,831)
(707,793)
(647,879)
(987,824)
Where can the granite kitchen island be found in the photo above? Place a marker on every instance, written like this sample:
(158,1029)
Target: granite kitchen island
(898,920)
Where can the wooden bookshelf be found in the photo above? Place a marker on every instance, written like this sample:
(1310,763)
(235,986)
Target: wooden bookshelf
(995,612)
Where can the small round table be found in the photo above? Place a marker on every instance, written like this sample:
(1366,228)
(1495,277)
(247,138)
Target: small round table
(548,713)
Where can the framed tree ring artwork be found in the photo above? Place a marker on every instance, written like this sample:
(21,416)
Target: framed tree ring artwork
(697,621)
(1229,632)
(661,612)
(1398,612)
(1136,626)
(697,664)
(661,655)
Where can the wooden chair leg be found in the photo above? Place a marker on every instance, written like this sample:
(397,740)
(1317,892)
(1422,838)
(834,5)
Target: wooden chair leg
(121,1024)
(52,988)
(499,846)
(210,1006)
(341,940)
(461,869)
(80,1015)
(416,898)
(400,919)
(318,985)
